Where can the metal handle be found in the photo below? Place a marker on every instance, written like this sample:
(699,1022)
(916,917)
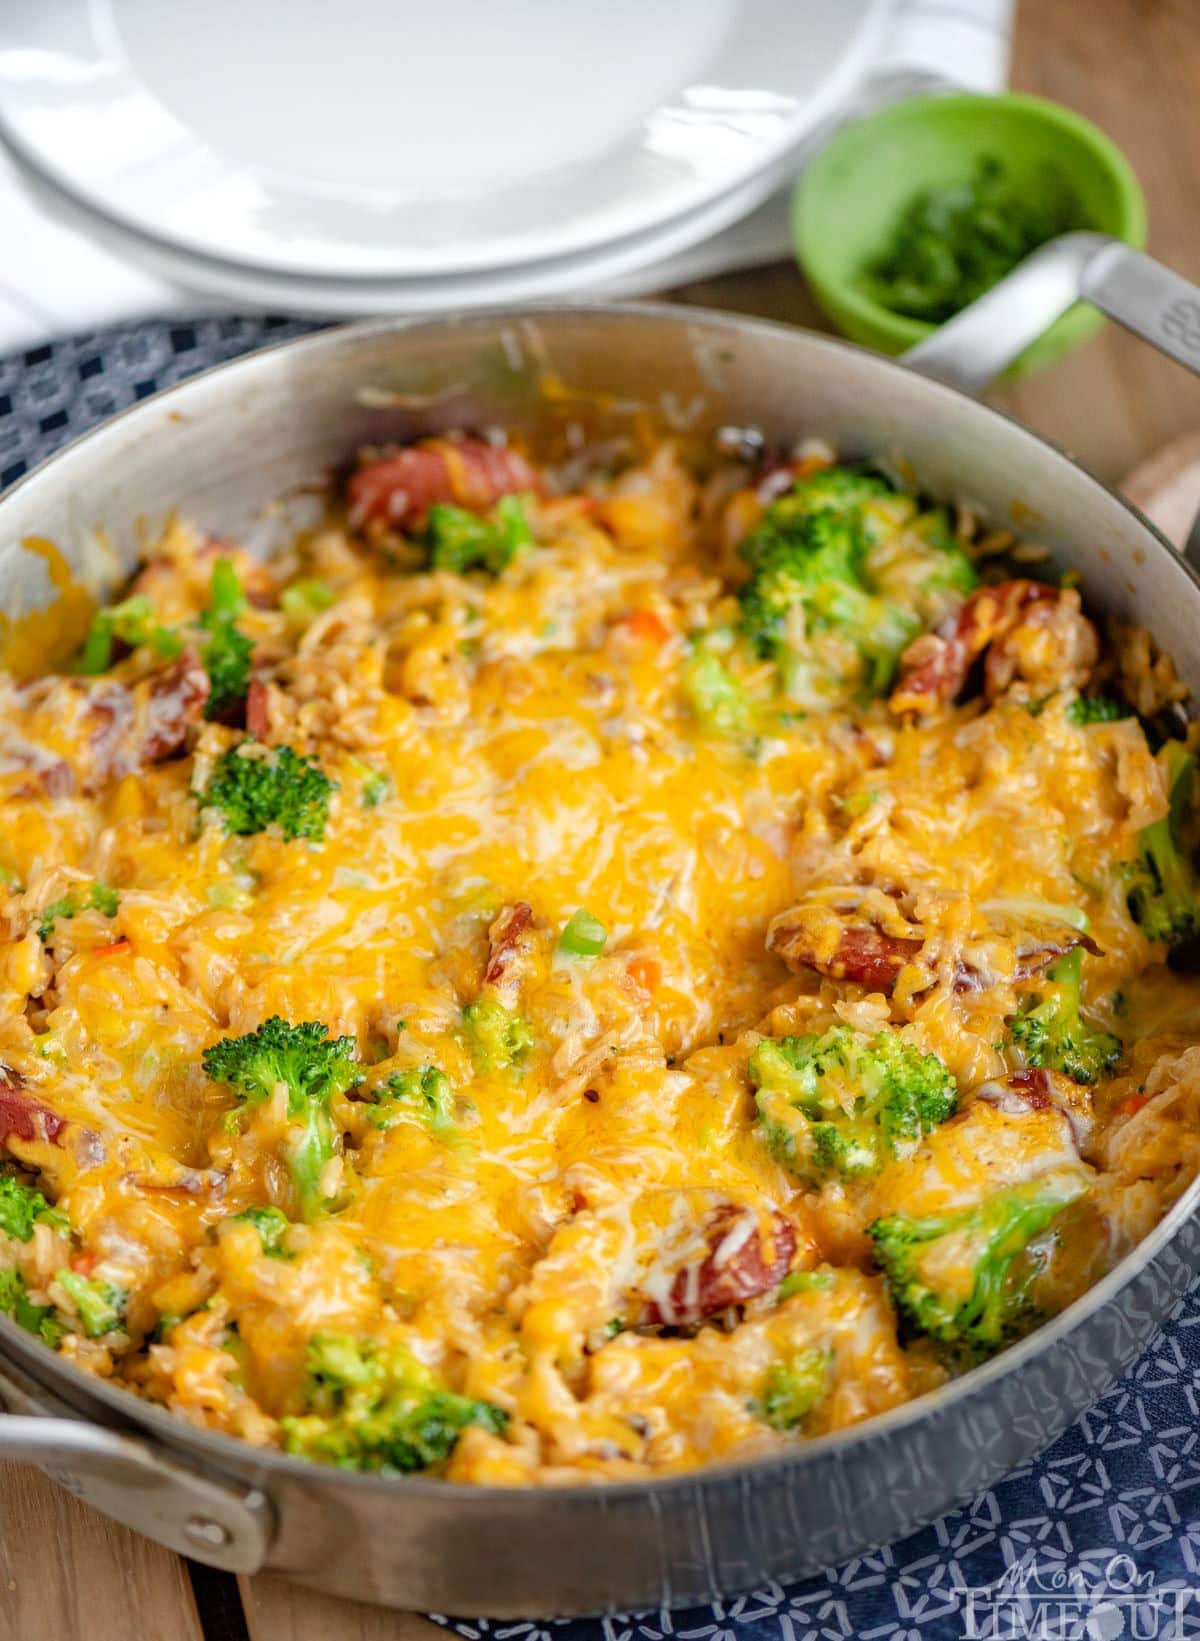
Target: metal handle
(217,1522)
(972,349)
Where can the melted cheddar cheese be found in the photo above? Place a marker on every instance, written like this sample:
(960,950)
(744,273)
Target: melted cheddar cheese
(523,740)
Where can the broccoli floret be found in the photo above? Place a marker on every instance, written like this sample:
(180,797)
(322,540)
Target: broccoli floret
(871,503)
(966,1277)
(717,700)
(1165,896)
(371,1407)
(226,651)
(846,557)
(795,1387)
(272,1225)
(422,1095)
(99,898)
(460,541)
(313,1068)
(916,557)
(841,490)
(1097,709)
(844,572)
(845,1103)
(498,1038)
(793,554)
(254,787)
(1052,1032)
(132,623)
(100,1304)
(21,1208)
(41,1320)
(809,581)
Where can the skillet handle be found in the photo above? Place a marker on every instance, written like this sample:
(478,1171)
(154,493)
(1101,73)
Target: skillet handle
(223,1525)
(971,350)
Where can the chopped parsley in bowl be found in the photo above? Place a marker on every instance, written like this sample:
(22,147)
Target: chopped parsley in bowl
(950,244)
(908,215)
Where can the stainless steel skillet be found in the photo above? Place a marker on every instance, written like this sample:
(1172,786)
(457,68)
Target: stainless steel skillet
(223,448)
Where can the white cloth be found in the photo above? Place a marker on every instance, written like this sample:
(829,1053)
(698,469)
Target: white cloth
(56,279)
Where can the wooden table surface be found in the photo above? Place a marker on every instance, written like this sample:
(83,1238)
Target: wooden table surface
(1133,66)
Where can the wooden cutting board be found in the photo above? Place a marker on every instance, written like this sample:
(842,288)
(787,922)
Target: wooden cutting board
(68,1574)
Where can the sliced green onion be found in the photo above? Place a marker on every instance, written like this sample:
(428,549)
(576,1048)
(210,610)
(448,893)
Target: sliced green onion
(305,599)
(226,600)
(131,622)
(102,898)
(375,786)
(226,895)
(804,1282)
(583,936)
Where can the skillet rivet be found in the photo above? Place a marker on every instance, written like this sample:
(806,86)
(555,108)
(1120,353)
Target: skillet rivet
(209,1534)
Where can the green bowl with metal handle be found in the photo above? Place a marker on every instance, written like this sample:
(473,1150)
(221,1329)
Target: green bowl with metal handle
(851,195)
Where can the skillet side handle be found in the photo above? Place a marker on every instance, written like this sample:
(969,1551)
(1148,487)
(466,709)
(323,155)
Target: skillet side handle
(223,1525)
(973,348)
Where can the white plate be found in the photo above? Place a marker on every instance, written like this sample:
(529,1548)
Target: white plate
(384,139)
(640,263)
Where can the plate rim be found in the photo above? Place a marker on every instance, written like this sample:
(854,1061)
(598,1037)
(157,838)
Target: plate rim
(530,248)
(610,269)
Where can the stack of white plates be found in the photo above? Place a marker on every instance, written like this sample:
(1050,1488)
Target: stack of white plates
(350,156)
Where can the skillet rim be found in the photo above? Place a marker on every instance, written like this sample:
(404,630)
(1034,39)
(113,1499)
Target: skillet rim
(230,1456)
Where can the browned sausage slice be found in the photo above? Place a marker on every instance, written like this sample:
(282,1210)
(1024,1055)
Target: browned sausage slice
(740,1264)
(1031,629)
(24,1117)
(1039,1089)
(136,727)
(863,953)
(397,489)
(112,728)
(508,945)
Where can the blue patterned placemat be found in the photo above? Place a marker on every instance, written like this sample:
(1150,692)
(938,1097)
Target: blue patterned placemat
(53,393)
(1098,1539)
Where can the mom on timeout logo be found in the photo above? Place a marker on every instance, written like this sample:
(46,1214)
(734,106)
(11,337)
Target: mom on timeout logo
(1102,1601)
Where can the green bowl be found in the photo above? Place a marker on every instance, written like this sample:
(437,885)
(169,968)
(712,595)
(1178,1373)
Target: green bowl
(849,198)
